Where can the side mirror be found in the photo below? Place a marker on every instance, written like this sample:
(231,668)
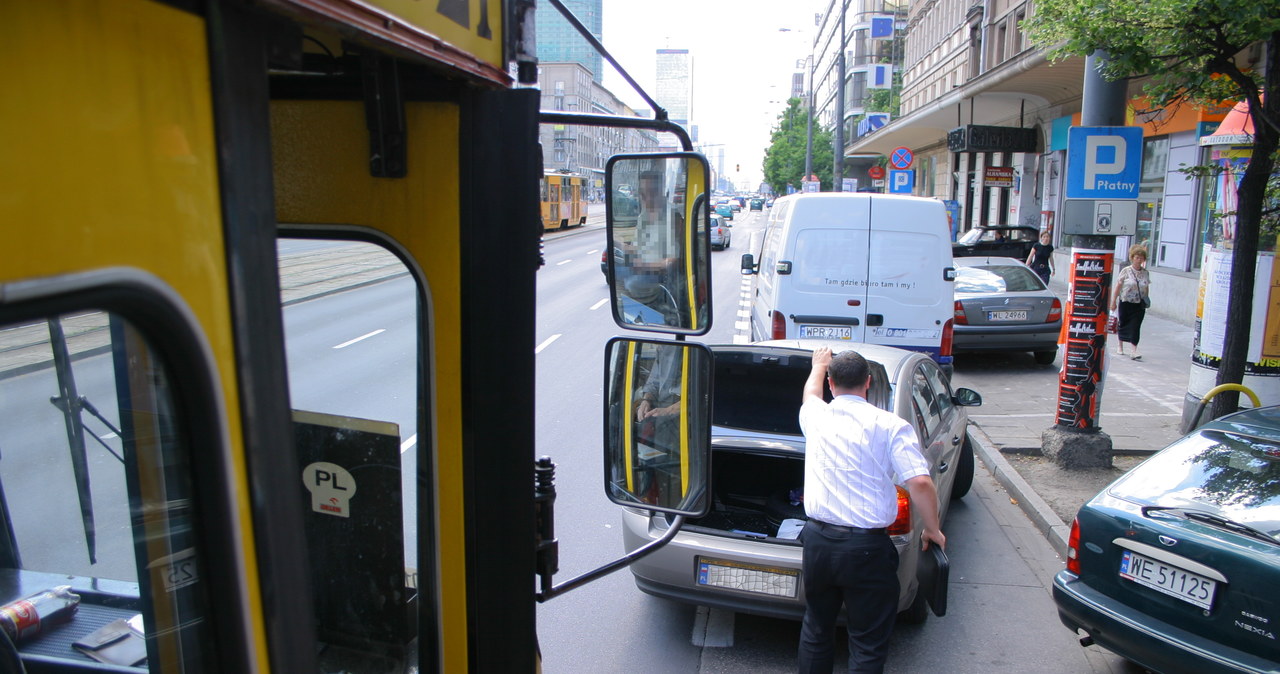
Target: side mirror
(967,397)
(657,433)
(949,274)
(748,264)
(658,217)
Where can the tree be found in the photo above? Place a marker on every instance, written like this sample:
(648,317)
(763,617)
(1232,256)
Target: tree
(1201,52)
(784,158)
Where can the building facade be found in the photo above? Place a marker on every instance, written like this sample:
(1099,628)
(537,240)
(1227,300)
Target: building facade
(673,88)
(569,87)
(559,42)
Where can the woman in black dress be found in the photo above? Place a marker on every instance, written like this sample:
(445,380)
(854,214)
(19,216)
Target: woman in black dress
(1132,296)
(1040,259)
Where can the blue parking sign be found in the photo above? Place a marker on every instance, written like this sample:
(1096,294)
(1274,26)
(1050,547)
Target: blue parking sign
(1104,162)
(902,182)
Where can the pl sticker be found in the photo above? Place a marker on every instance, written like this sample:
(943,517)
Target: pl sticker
(331,488)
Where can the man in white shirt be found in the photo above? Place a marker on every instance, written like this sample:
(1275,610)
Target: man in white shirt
(853,452)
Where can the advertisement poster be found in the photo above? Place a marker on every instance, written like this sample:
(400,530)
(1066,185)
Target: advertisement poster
(1083,362)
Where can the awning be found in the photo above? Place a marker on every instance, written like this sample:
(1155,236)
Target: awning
(1236,128)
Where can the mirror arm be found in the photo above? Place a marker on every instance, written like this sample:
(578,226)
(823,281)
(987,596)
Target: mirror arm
(550,592)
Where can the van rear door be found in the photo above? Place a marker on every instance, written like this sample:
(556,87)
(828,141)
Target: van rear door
(909,298)
(829,263)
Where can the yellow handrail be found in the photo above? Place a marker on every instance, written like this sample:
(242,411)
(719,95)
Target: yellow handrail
(1221,388)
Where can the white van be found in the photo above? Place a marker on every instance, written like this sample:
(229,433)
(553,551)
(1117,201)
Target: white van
(872,268)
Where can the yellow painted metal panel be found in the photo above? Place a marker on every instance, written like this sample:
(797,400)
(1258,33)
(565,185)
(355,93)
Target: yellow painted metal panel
(109,160)
(475,26)
(321,150)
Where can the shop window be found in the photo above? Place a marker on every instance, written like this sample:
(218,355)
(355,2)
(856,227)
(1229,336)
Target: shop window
(1155,160)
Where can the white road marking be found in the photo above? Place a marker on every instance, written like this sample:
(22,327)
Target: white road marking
(713,628)
(1132,383)
(546,343)
(593,252)
(108,436)
(360,338)
(564,262)
(599,304)
(413,440)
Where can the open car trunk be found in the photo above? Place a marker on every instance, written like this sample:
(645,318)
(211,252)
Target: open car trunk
(757,462)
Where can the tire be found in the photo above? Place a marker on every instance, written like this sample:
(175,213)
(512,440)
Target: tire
(1045,357)
(964,470)
(917,612)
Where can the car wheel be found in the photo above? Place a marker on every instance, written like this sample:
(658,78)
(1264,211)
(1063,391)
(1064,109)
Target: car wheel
(964,470)
(1045,357)
(917,612)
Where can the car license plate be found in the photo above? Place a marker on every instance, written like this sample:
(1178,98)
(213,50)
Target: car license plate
(825,332)
(770,580)
(994,316)
(1175,582)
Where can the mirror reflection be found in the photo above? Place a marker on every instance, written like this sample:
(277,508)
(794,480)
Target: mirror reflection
(658,425)
(659,278)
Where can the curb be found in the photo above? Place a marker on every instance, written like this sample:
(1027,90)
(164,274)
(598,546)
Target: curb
(1035,508)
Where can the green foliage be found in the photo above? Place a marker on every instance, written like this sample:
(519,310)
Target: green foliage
(1184,46)
(784,158)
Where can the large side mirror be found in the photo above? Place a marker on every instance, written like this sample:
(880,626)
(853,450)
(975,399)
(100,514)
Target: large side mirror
(658,214)
(657,433)
(748,264)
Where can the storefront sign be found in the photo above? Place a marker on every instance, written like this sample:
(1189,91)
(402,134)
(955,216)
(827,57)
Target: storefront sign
(997,176)
(977,138)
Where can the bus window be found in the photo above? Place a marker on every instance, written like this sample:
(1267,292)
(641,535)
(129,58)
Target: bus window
(352,317)
(97,493)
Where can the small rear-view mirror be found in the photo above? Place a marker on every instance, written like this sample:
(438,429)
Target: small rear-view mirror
(657,433)
(967,397)
(657,215)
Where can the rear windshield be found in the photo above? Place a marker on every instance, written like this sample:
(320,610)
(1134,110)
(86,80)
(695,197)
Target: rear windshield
(997,279)
(1232,475)
(761,391)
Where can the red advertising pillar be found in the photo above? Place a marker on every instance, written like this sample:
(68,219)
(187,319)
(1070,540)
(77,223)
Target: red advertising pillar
(1084,359)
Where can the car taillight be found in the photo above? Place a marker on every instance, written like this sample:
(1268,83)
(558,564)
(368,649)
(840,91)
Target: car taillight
(779,325)
(1055,311)
(948,336)
(960,318)
(902,523)
(1073,547)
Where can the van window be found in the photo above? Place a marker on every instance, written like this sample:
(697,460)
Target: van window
(906,266)
(827,260)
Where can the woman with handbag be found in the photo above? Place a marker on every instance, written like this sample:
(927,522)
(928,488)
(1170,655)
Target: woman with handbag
(1132,295)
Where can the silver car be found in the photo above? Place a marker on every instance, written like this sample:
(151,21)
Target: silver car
(1002,305)
(721,232)
(744,556)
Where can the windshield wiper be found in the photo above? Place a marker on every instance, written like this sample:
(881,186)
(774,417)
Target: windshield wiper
(1216,520)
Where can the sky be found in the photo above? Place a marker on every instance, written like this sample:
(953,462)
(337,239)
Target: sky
(742,64)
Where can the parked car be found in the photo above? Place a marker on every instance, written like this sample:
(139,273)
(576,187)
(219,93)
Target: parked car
(757,204)
(721,232)
(1003,241)
(744,556)
(1002,305)
(725,210)
(1175,565)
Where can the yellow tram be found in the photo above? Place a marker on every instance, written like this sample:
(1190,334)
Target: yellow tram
(564,200)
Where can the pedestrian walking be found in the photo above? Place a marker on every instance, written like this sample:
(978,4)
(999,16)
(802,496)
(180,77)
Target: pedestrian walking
(1040,259)
(853,450)
(1132,296)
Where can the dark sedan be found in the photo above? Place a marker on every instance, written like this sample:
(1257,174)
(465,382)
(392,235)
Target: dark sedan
(1176,565)
(1001,305)
(1002,241)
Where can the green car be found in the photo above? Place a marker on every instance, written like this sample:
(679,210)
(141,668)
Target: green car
(1176,565)
(757,204)
(725,211)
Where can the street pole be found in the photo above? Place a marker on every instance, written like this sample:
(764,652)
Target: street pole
(1076,440)
(837,168)
(808,138)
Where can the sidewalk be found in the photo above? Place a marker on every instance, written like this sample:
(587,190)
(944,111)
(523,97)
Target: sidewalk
(1141,411)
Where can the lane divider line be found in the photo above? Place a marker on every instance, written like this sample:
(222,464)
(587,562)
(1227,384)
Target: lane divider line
(546,343)
(361,338)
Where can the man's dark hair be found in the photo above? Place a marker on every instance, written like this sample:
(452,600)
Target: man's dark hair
(849,370)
